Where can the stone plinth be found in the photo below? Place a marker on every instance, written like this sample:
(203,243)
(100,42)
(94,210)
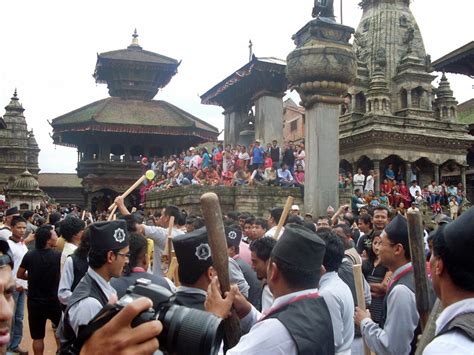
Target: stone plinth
(256,200)
(321,68)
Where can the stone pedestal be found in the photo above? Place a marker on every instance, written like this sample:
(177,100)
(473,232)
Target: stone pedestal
(268,118)
(321,68)
(234,120)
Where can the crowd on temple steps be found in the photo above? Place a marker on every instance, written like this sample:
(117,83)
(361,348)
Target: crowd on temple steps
(293,290)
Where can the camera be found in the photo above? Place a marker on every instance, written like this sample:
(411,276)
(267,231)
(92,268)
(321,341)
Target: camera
(185,330)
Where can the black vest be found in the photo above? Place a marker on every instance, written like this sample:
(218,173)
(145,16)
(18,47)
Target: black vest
(190,300)
(463,323)
(309,323)
(87,287)
(80,266)
(407,280)
(275,154)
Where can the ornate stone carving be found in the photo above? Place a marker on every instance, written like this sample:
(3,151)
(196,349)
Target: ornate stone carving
(323,63)
(381,57)
(323,8)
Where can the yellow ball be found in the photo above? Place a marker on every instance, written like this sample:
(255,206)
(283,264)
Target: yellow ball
(150,174)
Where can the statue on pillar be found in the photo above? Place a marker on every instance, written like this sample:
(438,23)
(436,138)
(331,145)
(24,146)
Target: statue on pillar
(324,8)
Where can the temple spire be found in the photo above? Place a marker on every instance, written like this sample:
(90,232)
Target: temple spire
(135,43)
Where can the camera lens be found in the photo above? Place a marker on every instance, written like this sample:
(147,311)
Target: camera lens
(190,331)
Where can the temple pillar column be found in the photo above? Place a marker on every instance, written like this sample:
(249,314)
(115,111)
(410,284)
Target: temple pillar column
(234,118)
(322,66)
(409,99)
(436,174)
(407,173)
(463,177)
(268,117)
(377,176)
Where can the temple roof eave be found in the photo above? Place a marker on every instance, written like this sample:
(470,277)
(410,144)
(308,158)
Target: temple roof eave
(240,78)
(459,61)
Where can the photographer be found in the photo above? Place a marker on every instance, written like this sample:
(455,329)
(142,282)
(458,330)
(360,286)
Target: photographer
(107,257)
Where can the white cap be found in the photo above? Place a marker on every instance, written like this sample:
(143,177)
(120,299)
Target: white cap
(295,207)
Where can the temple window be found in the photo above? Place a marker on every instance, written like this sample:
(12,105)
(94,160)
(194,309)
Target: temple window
(360,102)
(403,99)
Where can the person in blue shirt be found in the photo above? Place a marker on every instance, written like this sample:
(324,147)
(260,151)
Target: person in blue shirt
(205,158)
(257,154)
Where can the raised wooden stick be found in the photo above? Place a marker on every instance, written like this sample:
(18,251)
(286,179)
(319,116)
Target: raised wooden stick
(418,260)
(284,215)
(359,284)
(112,214)
(83,214)
(211,211)
(430,328)
(169,240)
(130,190)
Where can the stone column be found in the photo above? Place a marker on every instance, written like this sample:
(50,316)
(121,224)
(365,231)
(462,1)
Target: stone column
(436,173)
(234,118)
(408,173)
(463,177)
(408,98)
(378,174)
(321,68)
(268,117)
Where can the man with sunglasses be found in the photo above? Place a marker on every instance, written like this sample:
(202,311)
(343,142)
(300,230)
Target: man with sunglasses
(107,257)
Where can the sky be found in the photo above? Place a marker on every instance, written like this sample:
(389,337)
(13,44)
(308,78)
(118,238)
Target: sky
(49,49)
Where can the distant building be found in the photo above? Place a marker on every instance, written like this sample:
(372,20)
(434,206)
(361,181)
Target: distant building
(293,122)
(18,148)
(113,135)
(63,188)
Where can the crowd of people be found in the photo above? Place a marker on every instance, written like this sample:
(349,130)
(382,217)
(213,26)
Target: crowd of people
(292,288)
(396,194)
(230,166)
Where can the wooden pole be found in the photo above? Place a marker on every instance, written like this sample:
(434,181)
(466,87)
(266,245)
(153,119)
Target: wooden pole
(418,260)
(83,214)
(130,190)
(112,214)
(169,246)
(430,329)
(284,215)
(211,211)
(359,284)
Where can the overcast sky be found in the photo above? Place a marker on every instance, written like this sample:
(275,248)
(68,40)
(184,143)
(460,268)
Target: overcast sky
(49,49)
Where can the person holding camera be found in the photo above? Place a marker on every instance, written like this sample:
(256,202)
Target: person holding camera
(108,254)
(293,275)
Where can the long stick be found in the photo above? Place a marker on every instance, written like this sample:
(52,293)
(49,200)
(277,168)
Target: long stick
(284,215)
(211,211)
(168,246)
(359,284)
(112,214)
(83,214)
(418,260)
(130,190)
(430,329)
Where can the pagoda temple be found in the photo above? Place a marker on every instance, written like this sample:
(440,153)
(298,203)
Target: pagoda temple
(112,135)
(252,101)
(393,114)
(18,147)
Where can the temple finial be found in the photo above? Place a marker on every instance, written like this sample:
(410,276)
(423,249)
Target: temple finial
(15,94)
(135,39)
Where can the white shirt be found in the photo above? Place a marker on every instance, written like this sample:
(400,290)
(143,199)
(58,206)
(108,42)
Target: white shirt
(339,300)
(83,311)
(401,322)
(271,232)
(453,342)
(369,183)
(18,250)
(65,283)
(268,337)
(414,189)
(68,249)
(159,236)
(358,180)
(267,298)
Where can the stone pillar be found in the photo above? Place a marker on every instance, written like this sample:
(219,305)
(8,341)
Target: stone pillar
(234,118)
(463,177)
(436,173)
(408,98)
(268,117)
(408,173)
(378,174)
(322,67)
